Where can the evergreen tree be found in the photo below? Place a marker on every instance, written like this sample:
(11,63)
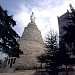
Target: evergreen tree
(67,43)
(8,37)
(69,36)
(52,46)
(50,57)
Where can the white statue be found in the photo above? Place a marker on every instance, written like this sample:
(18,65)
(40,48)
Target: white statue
(32,18)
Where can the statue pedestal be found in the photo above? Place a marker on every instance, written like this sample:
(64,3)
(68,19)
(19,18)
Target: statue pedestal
(32,45)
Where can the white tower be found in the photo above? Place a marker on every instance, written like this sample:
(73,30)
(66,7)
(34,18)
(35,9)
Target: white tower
(32,45)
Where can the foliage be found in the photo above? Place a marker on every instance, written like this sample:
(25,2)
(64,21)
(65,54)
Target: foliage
(67,43)
(52,46)
(50,57)
(69,36)
(57,55)
(8,37)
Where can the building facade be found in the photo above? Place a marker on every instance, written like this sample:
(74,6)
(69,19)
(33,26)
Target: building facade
(62,21)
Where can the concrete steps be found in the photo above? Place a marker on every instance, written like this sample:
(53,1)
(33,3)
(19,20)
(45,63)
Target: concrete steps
(6,70)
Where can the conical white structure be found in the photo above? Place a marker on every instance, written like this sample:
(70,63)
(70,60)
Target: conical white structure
(32,45)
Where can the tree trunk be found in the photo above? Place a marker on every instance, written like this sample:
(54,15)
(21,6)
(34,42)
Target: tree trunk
(66,70)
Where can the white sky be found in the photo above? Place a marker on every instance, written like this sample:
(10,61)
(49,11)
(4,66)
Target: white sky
(46,14)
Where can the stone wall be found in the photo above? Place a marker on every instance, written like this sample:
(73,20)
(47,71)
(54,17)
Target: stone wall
(32,45)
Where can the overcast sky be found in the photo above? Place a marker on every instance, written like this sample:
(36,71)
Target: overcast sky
(45,11)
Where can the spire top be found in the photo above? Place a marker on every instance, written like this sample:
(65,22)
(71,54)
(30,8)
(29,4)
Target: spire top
(32,18)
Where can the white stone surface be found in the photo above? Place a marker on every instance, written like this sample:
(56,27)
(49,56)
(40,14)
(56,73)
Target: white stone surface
(25,72)
(6,70)
(31,43)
